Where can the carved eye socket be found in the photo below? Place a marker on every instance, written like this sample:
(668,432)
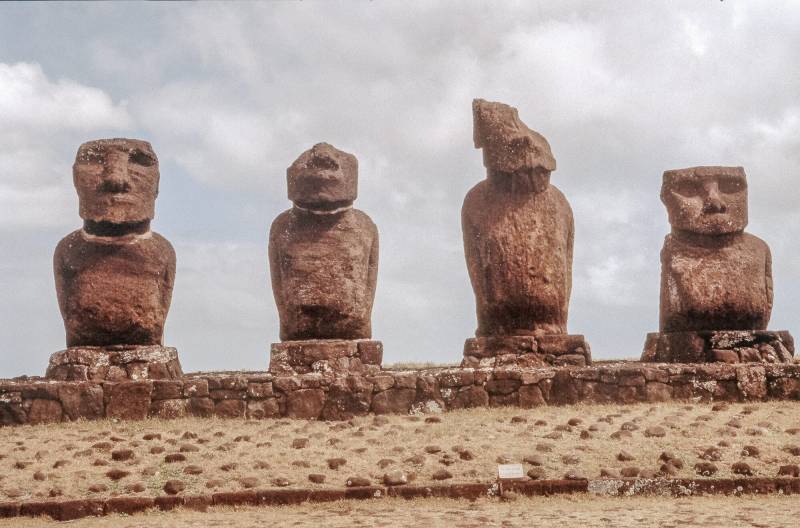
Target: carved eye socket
(731,184)
(688,188)
(142,158)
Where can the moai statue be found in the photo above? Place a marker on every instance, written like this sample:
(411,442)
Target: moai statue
(716,280)
(323,257)
(518,235)
(114,276)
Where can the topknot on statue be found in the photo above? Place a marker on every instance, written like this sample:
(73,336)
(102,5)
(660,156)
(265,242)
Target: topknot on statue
(508,144)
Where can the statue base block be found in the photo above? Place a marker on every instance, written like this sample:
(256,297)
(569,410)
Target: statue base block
(115,363)
(362,356)
(527,351)
(726,346)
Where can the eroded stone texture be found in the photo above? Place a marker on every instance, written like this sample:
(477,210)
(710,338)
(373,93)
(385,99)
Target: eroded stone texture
(518,230)
(323,253)
(715,278)
(303,357)
(114,277)
(115,363)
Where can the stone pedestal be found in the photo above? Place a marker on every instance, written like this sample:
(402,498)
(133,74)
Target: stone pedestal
(115,363)
(527,351)
(731,346)
(361,356)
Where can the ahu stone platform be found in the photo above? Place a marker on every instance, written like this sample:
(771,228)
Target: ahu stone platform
(332,396)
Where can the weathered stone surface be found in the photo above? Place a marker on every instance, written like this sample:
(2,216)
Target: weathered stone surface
(323,253)
(325,356)
(518,235)
(714,277)
(114,276)
(81,400)
(128,400)
(724,346)
(394,401)
(44,411)
(528,351)
(305,403)
(115,363)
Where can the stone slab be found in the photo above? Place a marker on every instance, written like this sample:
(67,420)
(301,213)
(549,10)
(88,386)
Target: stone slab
(527,351)
(362,356)
(115,363)
(726,346)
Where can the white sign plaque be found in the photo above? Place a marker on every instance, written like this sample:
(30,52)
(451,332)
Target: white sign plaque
(510,471)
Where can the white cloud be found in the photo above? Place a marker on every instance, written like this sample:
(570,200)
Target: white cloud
(231,95)
(43,122)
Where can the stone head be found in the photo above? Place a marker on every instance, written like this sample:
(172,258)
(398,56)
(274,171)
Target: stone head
(116,180)
(706,200)
(323,177)
(509,146)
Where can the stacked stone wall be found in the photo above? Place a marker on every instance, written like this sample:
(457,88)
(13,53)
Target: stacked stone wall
(330,396)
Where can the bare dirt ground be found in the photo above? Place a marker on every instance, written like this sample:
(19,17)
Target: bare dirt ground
(103,459)
(708,512)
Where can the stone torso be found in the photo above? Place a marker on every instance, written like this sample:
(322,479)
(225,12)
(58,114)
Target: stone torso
(519,255)
(114,292)
(710,284)
(324,271)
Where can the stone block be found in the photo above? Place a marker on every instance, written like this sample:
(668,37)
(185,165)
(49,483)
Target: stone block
(324,355)
(170,409)
(393,401)
(81,400)
(44,411)
(305,403)
(229,409)
(128,400)
(260,409)
(725,346)
(115,362)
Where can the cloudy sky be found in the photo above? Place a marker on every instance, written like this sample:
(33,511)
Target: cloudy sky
(230,94)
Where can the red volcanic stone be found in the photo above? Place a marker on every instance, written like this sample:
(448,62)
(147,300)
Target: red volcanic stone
(522,283)
(336,463)
(722,276)
(357,482)
(122,454)
(323,253)
(128,400)
(790,470)
(114,277)
(705,469)
(117,474)
(655,431)
(742,468)
(393,401)
(441,474)
(173,487)
(175,457)
(44,411)
(305,403)
(128,505)
(81,400)
(316,478)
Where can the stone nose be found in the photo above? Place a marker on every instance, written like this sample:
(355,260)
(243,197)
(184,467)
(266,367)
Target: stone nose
(115,177)
(713,202)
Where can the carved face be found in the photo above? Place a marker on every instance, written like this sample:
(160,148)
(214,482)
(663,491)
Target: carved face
(323,177)
(706,200)
(117,180)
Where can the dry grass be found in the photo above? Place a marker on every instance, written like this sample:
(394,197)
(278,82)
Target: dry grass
(72,460)
(708,512)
